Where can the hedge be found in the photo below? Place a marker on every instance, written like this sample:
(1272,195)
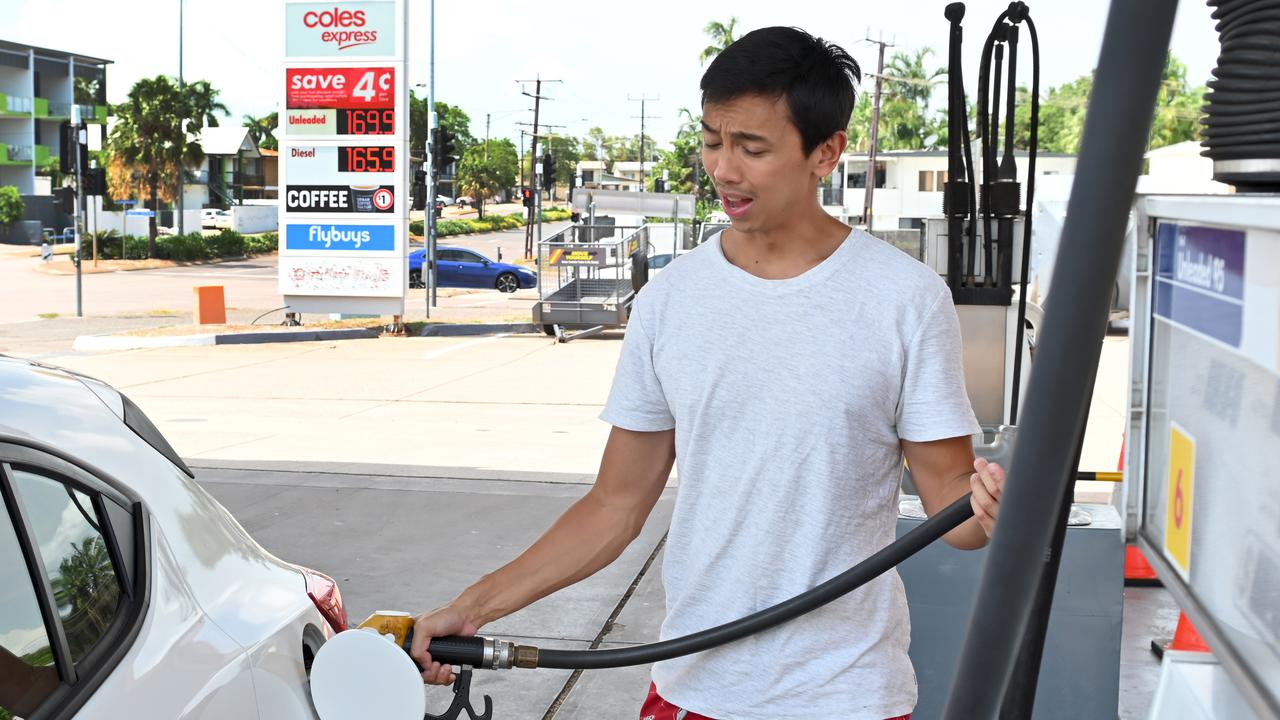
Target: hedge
(191,247)
(469,226)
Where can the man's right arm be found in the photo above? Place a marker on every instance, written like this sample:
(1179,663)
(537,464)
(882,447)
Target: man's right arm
(592,533)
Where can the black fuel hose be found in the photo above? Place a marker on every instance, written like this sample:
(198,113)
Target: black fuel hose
(1020,13)
(1242,125)
(985,130)
(458,650)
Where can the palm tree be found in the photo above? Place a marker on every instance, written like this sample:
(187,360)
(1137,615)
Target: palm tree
(910,80)
(150,145)
(722,36)
(262,130)
(204,104)
(86,585)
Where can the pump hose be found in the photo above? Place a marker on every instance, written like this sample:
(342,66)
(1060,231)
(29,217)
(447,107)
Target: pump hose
(1242,125)
(459,650)
(1034,127)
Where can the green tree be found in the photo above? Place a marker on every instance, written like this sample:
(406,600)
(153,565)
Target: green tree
(262,129)
(448,116)
(150,145)
(1062,112)
(11,206)
(85,90)
(1178,107)
(486,169)
(722,36)
(906,120)
(204,105)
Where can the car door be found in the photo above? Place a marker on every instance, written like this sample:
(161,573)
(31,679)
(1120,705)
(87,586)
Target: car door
(72,583)
(448,269)
(475,269)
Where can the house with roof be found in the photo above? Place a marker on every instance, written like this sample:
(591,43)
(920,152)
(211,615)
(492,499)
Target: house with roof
(908,185)
(231,171)
(597,175)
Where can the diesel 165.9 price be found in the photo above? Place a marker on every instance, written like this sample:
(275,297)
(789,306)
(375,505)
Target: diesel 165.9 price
(375,159)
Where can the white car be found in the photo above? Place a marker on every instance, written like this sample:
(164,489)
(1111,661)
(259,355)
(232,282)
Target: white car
(125,588)
(215,218)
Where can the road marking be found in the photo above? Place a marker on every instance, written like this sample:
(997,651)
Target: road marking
(445,351)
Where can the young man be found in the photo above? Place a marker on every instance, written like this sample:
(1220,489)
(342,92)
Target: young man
(790,364)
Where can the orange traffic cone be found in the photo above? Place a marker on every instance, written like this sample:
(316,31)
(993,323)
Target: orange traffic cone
(1185,638)
(1137,571)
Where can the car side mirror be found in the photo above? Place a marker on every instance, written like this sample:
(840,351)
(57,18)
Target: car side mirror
(487,263)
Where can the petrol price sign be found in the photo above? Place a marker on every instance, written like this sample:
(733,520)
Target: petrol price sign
(343,165)
(343,157)
(340,101)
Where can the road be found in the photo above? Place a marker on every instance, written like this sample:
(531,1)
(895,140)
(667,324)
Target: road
(250,285)
(434,537)
(407,467)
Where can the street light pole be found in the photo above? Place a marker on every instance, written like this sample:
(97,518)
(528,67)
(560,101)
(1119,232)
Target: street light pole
(182,89)
(431,178)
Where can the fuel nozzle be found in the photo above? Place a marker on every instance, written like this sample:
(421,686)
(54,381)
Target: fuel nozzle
(479,652)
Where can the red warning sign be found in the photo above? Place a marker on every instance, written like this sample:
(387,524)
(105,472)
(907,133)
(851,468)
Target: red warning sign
(308,88)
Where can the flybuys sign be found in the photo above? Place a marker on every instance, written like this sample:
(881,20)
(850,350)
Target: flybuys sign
(339,199)
(325,236)
(350,29)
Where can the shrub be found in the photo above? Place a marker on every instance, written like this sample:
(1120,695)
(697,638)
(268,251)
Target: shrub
(262,244)
(11,205)
(226,244)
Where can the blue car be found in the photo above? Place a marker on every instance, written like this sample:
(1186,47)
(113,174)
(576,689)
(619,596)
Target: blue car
(463,268)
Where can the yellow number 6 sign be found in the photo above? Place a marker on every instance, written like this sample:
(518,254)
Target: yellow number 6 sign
(1182,480)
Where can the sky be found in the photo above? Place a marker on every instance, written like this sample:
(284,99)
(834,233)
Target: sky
(604,53)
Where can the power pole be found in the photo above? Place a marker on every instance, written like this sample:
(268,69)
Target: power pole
(875,134)
(642,99)
(486,136)
(538,97)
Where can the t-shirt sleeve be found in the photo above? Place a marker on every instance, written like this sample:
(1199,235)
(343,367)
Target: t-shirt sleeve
(934,404)
(636,401)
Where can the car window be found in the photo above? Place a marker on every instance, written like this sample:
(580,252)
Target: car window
(27,671)
(447,256)
(85,584)
(468,256)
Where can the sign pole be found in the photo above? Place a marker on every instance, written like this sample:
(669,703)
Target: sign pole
(75,123)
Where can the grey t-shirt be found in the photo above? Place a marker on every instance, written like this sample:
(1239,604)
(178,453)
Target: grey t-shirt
(788,399)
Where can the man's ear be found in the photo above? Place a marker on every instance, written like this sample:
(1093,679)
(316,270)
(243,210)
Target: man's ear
(826,157)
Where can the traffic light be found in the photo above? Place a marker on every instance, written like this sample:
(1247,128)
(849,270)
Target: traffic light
(526,195)
(64,200)
(548,171)
(659,185)
(68,136)
(442,150)
(95,181)
(419,190)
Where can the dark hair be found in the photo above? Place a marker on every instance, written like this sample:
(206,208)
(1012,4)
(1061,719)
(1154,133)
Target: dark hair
(815,76)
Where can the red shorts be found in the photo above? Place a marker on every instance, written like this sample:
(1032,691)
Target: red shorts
(655,708)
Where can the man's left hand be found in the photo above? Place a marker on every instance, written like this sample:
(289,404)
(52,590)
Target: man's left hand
(988,485)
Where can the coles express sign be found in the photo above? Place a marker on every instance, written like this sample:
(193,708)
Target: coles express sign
(340,29)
